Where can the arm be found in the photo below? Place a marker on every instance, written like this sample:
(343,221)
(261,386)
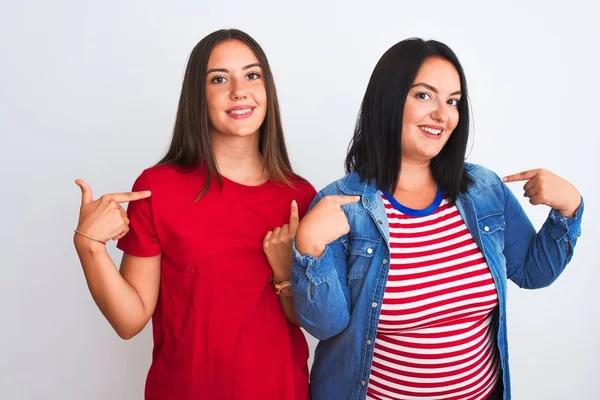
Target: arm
(287,303)
(277,246)
(321,294)
(535,260)
(127,298)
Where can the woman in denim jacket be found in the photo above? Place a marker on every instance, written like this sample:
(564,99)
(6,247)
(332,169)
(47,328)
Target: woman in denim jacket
(400,268)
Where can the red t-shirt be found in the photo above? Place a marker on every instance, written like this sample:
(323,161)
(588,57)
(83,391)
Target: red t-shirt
(219,329)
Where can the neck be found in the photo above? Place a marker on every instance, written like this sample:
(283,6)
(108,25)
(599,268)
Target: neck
(238,158)
(416,187)
(415,177)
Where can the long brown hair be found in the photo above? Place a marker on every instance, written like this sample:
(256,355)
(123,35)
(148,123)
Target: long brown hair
(191,143)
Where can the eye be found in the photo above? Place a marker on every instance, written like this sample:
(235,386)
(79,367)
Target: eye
(423,96)
(253,76)
(453,102)
(217,80)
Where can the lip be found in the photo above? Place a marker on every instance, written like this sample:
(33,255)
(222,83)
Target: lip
(231,112)
(431,135)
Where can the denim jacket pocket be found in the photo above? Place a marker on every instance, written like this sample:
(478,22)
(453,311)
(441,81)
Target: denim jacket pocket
(360,252)
(491,228)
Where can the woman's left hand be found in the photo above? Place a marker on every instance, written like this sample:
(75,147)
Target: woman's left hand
(544,187)
(277,246)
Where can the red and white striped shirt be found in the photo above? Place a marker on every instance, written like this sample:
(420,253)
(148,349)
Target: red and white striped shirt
(435,339)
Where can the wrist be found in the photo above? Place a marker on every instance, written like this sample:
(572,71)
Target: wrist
(570,210)
(89,246)
(281,276)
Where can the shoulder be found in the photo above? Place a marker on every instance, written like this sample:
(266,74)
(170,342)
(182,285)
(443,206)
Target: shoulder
(167,171)
(340,186)
(302,191)
(169,183)
(483,178)
(301,186)
(167,176)
(351,184)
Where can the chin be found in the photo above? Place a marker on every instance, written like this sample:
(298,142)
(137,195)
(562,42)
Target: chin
(428,154)
(244,132)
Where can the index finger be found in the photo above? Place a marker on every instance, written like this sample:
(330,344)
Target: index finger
(521,176)
(294,218)
(341,200)
(128,196)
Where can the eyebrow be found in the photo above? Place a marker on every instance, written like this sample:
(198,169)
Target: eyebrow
(423,84)
(227,71)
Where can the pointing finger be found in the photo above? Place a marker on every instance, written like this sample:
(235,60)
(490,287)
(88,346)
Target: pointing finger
(342,200)
(294,218)
(521,176)
(128,196)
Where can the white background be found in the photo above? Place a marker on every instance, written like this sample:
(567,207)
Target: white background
(89,90)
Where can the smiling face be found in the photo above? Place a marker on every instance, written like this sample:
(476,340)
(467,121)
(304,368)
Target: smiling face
(235,90)
(431,110)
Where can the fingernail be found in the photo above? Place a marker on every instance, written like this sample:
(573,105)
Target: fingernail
(504,179)
(147,192)
(294,204)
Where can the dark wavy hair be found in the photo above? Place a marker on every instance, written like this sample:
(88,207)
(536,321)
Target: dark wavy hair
(375,149)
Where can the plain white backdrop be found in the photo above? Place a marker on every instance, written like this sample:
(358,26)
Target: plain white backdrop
(89,90)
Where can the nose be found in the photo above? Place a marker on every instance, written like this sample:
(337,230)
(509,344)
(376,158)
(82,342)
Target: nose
(440,113)
(238,90)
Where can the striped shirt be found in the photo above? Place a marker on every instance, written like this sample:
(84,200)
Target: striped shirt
(435,339)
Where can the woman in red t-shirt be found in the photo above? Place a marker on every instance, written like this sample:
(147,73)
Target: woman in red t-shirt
(207,239)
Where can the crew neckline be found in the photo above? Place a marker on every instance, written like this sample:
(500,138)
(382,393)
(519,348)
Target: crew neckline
(439,196)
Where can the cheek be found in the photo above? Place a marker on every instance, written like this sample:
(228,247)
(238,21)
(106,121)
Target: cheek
(260,95)
(410,114)
(215,103)
(454,117)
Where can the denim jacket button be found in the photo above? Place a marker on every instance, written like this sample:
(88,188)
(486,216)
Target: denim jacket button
(384,261)
(363,382)
(369,342)
(369,251)
(486,228)
(374,305)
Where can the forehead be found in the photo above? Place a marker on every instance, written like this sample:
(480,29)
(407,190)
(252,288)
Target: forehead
(231,54)
(439,73)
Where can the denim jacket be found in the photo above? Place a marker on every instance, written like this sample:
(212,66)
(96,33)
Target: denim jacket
(338,295)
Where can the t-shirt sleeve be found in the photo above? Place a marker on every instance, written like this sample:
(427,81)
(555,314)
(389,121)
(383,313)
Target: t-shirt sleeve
(305,196)
(141,240)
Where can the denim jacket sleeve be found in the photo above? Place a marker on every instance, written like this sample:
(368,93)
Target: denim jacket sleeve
(320,289)
(535,260)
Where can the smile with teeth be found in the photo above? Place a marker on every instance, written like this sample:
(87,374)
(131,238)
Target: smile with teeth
(241,111)
(430,130)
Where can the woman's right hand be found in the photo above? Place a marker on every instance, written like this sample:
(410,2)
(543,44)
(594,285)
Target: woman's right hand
(323,224)
(104,218)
